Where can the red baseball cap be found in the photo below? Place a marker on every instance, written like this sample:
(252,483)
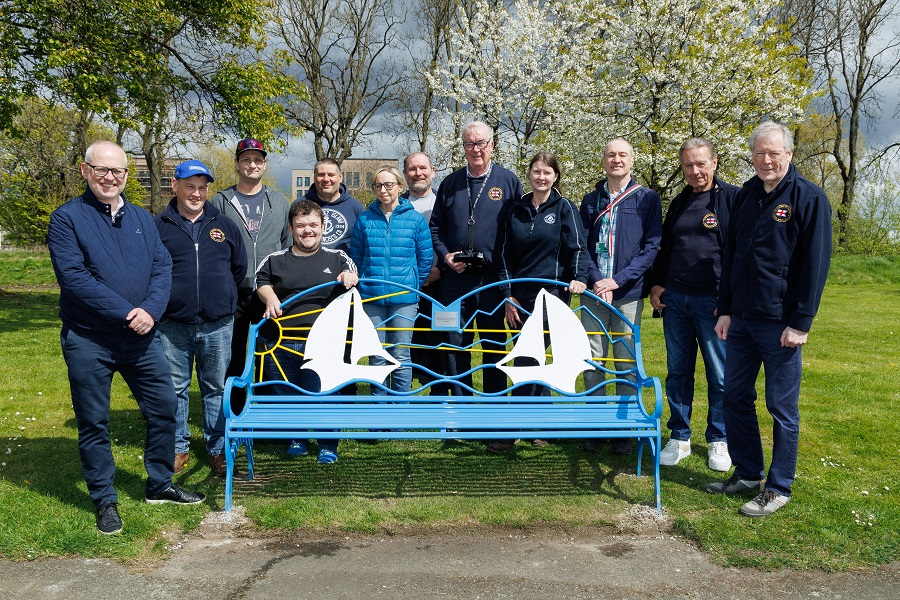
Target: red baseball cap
(248,144)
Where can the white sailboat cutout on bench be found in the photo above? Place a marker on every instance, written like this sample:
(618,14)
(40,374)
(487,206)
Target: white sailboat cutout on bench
(569,342)
(325,345)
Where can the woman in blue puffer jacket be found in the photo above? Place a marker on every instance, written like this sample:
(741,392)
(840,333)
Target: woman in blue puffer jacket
(391,241)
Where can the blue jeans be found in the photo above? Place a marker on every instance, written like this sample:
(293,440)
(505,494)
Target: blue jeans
(751,344)
(304,378)
(395,315)
(209,345)
(689,322)
(592,316)
(92,361)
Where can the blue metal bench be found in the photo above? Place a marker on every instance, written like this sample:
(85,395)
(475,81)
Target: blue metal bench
(416,415)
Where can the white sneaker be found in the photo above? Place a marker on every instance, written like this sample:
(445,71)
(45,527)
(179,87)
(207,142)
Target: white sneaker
(674,451)
(719,459)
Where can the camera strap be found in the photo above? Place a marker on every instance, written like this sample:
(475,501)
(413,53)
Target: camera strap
(473,204)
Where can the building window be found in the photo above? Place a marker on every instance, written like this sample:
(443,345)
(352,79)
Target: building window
(299,181)
(306,182)
(356,180)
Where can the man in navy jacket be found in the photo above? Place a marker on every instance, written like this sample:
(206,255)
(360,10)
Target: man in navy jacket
(209,261)
(685,284)
(470,208)
(114,279)
(623,220)
(774,268)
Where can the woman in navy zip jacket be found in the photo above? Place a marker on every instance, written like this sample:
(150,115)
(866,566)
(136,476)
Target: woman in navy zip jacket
(392,241)
(542,238)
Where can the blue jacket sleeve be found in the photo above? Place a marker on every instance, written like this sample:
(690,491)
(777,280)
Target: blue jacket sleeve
(593,273)
(356,247)
(160,285)
(424,249)
(649,245)
(75,279)
(574,242)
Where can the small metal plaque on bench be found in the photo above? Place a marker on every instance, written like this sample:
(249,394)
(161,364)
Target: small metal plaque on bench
(445,318)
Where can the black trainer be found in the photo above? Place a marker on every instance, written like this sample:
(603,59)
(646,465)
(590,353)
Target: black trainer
(176,495)
(108,519)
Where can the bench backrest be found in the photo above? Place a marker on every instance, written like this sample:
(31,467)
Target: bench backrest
(343,322)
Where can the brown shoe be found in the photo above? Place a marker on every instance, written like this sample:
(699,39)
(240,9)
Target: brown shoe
(180,461)
(500,446)
(219,464)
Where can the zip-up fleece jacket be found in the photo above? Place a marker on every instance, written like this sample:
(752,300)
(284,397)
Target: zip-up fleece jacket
(778,252)
(104,268)
(397,250)
(340,217)
(723,195)
(637,237)
(547,242)
(273,234)
(450,217)
(206,273)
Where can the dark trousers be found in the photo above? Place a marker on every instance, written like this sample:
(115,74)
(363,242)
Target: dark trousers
(526,295)
(291,364)
(752,344)
(435,360)
(143,366)
(456,285)
(249,310)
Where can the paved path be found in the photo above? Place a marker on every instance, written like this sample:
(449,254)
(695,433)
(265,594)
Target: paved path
(472,563)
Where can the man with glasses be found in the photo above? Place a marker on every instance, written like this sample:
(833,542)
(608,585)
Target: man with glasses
(470,208)
(262,216)
(114,277)
(340,208)
(774,267)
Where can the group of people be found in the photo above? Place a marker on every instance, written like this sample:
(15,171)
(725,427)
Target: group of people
(735,272)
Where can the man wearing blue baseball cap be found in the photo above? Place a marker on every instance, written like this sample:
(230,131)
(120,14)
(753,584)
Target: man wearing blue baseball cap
(209,261)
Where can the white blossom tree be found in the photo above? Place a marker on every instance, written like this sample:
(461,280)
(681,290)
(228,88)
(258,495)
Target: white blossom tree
(568,76)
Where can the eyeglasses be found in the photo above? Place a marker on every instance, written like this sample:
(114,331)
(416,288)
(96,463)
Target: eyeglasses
(479,144)
(252,161)
(101,172)
(388,185)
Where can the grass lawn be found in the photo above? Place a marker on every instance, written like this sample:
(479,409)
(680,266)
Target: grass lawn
(844,514)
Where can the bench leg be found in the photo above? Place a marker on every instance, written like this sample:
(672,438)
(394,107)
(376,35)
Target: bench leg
(229,471)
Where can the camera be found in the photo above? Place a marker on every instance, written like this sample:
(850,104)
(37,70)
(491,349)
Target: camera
(472,259)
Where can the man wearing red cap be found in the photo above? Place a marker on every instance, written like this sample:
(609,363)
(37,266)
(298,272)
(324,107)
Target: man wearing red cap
(262,216)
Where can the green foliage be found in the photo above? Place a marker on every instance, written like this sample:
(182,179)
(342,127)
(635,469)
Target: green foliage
(39,167)
(125,59)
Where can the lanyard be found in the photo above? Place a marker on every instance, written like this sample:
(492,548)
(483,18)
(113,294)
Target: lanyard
(472,205)
(626,193)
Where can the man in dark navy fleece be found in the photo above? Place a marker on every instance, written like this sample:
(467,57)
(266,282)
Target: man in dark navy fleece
(209,262)
(685,280)
(471,205)
(776,261)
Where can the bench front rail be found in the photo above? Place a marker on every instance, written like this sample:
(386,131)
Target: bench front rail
(260,409)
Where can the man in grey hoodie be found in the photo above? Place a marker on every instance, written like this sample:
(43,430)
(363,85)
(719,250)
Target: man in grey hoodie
(262,217)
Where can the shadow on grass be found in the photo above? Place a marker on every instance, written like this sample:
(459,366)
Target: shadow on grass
(28,310)
(431,468)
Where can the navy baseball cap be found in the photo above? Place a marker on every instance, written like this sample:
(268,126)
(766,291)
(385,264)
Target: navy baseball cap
(189,168)
(248,144)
